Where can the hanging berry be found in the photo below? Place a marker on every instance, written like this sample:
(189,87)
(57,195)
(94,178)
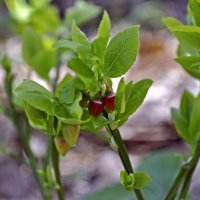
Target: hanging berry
(95,107)
(109,102)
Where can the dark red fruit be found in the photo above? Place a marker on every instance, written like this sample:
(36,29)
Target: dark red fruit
(109,102)
(95,107)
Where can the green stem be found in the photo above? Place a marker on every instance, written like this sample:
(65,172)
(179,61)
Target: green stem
(53,151)
(176,184)
(47,157)
(55,163)
(186,185)
(192,166)
(56,78)
(23,133)
(185,173)
(122,151)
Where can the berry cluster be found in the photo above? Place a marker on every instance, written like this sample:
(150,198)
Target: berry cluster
(106,102)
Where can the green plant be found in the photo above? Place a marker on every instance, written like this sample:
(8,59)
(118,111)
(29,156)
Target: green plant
(186,118)
(162,174)
(86,100)
(38,26)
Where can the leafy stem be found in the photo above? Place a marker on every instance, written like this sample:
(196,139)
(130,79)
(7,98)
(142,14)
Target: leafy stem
(55,164)
(192,166)
(56,78)
(51,145)
(186,184)
(23,133)
(185,174)
(123,154)
(177,182)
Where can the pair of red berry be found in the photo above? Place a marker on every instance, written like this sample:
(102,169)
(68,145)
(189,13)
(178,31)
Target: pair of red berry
(96,106)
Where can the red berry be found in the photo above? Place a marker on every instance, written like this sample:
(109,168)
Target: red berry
(109,102)
(95,107)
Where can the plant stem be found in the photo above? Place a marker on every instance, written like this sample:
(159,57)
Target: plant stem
(56,78)
(122,151)
(185,173)
(53,151)
(192,166)
(176,184)
(53,84)
(23,133)
(186,185)
(55,163)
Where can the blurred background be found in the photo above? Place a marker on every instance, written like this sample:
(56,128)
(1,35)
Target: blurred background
(91,170)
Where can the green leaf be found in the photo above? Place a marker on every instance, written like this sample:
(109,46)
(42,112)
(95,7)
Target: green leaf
(62,83)
(45,19)
(69,113)
(35,95)
(39,4)
(190,18)
(62,145)
(38,101)
(84,51)
(71,134)
(19,10)
(78,66)
(74,110)
(78,35)
(85,74)
(37,57)
(186,106)
(37,118)
(104,27)
(142,179)
(68,45)
(42,62)
(121,52)
(186,50)
(100,43)
(181,124)
(127,180)
(194,127)
(86,55)
(135,95)
(120,100)
(89,128)
(100,122)
(31,44)
(171,22)
(73,121)
(99,47)
(50,175)
(191,64)
(128,89)
(81,12)
(187,34)
(32,86)
(59,110)
(66,94)
(194,6)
